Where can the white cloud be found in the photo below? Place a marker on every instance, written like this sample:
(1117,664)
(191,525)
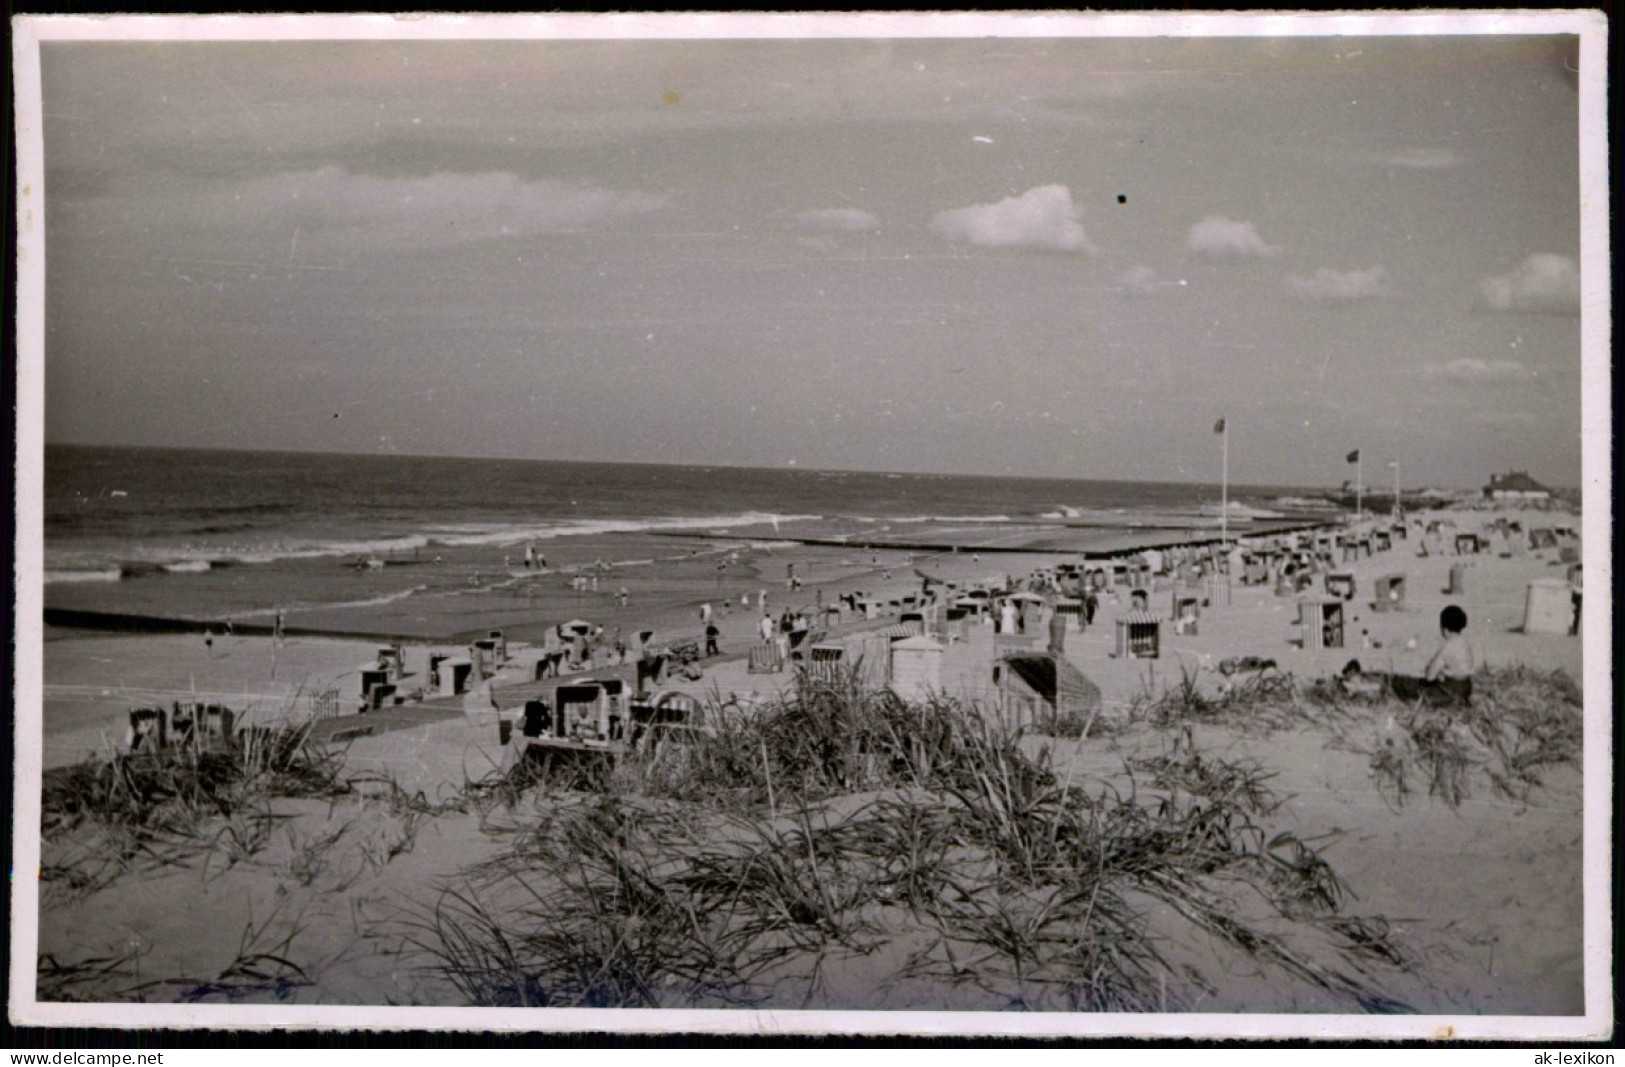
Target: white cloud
(1220,238)
(838,218)
(1140,281)
(339,209)
(1042,217)
(1543,282)
(1332,286)
(1424,159)
(1477,370)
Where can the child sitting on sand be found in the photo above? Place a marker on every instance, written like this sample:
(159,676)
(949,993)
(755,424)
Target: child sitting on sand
(1451,668)
(1447,681)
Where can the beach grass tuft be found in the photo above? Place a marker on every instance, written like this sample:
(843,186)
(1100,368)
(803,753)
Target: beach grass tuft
(142,811)
(922,844)
(1521,724)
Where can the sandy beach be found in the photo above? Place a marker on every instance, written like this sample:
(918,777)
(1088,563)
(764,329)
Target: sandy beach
(1484,892)
(1070,524)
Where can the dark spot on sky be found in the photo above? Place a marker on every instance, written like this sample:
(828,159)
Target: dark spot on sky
(1121,199)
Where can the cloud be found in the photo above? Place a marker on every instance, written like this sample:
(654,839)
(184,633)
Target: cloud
(1220,238)
(1337,286)
(1477,370)
(848,219)
(1424,159)
(337,208)
(1142,281)
(1042,217)
(1542,283)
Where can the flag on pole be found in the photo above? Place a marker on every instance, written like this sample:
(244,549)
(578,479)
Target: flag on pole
(1354,457)
(1218,427)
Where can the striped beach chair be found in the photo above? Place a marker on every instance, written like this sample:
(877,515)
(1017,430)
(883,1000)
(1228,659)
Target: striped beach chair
(1139,636)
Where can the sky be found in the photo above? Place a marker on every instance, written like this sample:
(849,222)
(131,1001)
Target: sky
(1033,257)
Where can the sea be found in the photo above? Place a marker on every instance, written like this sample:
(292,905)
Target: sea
(114,512)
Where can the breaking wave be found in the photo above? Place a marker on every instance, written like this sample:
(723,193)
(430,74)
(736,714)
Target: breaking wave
(110,574)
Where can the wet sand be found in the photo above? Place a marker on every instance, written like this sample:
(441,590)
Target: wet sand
(457,594)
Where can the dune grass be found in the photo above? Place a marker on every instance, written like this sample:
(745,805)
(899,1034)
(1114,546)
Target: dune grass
(261,967)
(1521,724)
(177,806)
(929,848)
(210,809)
(191,782)
(923,845)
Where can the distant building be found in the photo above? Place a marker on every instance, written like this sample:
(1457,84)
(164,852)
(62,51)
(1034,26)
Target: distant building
(1516,485)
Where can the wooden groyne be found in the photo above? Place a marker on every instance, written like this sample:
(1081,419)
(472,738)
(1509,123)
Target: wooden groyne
(1178,537)
(117,622)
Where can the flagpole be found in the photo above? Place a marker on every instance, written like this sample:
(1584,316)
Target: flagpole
(1224,510)
(1396,488)
(1359,482)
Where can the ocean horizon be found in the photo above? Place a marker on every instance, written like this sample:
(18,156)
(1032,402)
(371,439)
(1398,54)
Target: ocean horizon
(110,508)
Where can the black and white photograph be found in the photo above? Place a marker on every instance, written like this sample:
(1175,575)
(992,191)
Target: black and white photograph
(888,523)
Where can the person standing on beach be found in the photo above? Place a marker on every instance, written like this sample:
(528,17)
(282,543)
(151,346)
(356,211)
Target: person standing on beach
(711,635)
(765,627)
(208,641)
(705,614)
(787,624)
